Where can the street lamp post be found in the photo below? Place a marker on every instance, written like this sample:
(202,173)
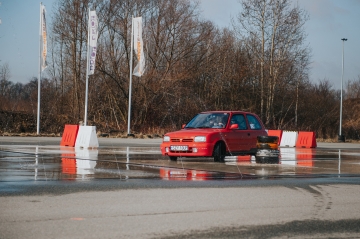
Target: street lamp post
(341,138)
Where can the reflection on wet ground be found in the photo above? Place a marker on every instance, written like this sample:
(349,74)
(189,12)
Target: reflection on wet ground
(29,163)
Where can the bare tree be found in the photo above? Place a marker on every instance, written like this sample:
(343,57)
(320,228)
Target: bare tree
(191,66)
(70,32)
(276,37)
(4,78)
(353,89)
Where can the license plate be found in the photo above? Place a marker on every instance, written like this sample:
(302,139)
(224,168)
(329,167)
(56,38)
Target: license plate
(179,148)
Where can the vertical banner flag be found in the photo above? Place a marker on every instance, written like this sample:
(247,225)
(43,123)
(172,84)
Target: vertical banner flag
(93,35)
(43,37)
(138,47)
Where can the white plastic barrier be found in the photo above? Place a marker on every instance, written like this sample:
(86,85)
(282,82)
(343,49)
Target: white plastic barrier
(287,156)
(90,154)
(85,160)
(85,167)
(86,137)
(289,139)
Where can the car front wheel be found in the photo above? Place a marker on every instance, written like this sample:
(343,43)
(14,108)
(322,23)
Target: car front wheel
(219,152)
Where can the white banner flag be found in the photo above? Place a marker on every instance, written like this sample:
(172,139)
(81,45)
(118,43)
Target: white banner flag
(43,37)
(93,35)
(138,47)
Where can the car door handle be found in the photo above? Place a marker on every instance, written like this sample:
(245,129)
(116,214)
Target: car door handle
(248,134)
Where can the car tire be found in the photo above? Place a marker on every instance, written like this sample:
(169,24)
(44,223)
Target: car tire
(267,139)
(263,145)
(267,150)
(219,152)
(173,158)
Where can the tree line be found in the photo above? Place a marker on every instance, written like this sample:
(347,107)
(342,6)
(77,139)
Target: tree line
(259,64)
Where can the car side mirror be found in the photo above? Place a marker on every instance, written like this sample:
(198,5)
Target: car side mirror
(183,126)
(234,126)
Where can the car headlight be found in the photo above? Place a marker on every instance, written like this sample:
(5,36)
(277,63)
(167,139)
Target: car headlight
(166,139)
(200,139)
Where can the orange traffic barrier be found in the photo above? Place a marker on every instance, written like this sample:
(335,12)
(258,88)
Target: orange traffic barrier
(68,166)
(68,161)
(69,135)
(305,157)
(273,132)
(306,140)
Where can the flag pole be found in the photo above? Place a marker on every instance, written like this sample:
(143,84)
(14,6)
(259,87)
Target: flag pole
(87,71)
(130,87)
(38,107)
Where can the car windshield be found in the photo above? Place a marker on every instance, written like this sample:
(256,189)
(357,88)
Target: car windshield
(209,120)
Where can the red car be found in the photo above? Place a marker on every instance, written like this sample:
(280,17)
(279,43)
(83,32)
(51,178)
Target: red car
(215,134)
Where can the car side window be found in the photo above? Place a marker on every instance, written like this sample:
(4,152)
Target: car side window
(253,122)
(240,120)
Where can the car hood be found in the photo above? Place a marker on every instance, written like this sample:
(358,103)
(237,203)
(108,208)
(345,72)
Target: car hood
(193,132)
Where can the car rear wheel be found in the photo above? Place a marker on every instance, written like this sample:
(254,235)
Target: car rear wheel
(219,152)
(173,158)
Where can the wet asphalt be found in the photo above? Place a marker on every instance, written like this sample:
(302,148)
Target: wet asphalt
(127,189)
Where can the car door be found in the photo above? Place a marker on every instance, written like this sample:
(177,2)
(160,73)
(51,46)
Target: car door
(239,136)
(255,129)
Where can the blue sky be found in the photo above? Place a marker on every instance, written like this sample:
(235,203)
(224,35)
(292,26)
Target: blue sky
(330,20)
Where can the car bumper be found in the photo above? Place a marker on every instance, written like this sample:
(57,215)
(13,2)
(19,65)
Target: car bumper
(194,149)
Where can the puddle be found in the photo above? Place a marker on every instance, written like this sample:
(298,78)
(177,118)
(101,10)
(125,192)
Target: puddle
(45,163)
